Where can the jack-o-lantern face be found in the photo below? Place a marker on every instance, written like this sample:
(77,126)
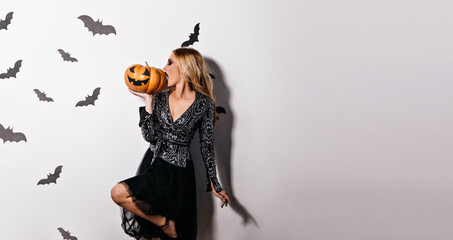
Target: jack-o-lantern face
(140,80)
(145,79)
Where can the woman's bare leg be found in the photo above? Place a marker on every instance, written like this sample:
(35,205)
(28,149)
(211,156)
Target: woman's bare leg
(121,196)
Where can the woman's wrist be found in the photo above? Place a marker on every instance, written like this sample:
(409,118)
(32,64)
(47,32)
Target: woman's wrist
(148,98)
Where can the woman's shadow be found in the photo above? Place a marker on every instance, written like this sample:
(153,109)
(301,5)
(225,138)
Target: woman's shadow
(222,133)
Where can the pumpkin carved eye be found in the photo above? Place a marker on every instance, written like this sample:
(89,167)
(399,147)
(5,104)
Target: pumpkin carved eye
(145,79)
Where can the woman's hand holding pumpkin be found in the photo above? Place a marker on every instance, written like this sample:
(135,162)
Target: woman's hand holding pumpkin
(140,94)
(148,100)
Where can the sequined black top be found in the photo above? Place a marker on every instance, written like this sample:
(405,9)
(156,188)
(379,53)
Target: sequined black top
(170,140)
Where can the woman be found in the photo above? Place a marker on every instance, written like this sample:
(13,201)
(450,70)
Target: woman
(162,197)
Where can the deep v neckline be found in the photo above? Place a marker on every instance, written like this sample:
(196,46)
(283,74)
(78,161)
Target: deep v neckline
(169,109)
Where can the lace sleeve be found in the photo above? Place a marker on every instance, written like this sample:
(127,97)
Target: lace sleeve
(207,147)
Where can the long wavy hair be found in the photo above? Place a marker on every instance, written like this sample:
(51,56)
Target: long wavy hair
(194,69)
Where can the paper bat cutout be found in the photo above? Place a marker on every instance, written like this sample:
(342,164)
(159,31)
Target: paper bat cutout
(4,23)
(42,96)
(67,56)
(11,72)
(51,177)
(8,135)
(220,110)
(96,27)
(193,36)
(66,234)
(89,99)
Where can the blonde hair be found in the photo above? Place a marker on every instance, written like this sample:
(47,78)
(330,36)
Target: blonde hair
(194,69)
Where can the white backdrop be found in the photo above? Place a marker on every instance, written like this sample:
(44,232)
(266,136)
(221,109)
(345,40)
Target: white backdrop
(338,121)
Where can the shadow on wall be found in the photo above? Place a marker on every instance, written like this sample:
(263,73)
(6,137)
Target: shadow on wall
(223,144)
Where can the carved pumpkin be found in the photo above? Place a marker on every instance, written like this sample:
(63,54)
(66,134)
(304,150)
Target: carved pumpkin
(145,79)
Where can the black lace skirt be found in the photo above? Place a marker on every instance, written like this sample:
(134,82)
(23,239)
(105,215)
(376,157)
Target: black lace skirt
(162,189)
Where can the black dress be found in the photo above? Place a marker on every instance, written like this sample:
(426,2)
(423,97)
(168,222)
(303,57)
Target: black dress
(162,189)
(165,181)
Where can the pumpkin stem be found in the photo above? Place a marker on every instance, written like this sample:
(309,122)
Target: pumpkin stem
(146,63)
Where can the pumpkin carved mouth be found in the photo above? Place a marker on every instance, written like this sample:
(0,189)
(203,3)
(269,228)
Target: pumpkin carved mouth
(137,82)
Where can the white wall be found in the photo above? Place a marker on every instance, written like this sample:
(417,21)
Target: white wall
(338,124)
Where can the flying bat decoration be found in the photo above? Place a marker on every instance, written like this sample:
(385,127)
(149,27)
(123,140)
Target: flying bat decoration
(67,56)
(96,27)
(220,110)
(193,36)
(8,135)
(42,96)
(66,234)
(4,23)
(89,99)
(51,177)
(11,72)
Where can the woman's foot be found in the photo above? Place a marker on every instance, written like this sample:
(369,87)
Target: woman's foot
(169,228)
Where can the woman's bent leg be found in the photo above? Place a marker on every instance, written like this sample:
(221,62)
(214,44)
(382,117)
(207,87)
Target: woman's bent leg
(121,196)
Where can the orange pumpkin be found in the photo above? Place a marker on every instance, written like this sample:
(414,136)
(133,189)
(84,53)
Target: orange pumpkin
(145,79)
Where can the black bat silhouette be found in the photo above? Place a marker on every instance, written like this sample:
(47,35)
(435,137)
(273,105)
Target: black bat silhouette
(89,99)
(11,72)
(193,36)
(8,135)
(4,23)
(66,234)
(67,56)
(220,110)
(51,177)
(42,96)
(96,27)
